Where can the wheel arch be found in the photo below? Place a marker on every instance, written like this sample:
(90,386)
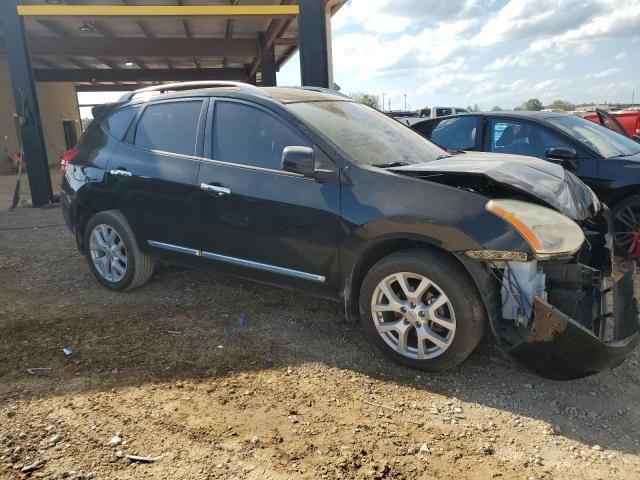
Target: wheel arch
(382,248)
(88,204)
(622,194)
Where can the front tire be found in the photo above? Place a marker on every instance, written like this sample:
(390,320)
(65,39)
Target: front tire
(421,309)
(113,253)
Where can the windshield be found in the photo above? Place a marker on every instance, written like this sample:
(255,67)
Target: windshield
(367,136)
(606,142)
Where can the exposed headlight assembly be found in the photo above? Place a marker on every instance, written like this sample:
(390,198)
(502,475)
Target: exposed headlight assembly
(549,233)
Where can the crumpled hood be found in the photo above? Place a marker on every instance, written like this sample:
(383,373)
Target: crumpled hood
(544,180)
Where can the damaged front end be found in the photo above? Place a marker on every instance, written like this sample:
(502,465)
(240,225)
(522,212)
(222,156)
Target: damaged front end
(567,318)
(556,304)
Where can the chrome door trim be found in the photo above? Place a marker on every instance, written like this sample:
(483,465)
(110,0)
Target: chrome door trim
(174,248)
(239,261)
(264,266)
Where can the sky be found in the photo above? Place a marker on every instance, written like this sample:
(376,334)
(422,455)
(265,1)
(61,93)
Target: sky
(489,52)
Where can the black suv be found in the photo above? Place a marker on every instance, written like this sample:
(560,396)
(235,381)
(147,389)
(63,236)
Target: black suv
(306,189)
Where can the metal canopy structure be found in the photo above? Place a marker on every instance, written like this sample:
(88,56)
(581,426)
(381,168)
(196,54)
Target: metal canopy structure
(124,44)
(115,42)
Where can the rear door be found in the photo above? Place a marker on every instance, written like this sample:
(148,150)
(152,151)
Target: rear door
(155,173)
(257,220)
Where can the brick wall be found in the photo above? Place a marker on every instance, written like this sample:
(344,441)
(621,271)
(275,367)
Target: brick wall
(57,101)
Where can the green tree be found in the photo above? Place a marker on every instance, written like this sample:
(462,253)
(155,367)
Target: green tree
(366,98)
(496,109)
(561,105)
(336,87)
(533,105)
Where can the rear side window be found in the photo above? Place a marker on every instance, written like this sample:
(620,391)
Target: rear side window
(458,133)
(118,122)
(169,127)
(249,136)
(441,112)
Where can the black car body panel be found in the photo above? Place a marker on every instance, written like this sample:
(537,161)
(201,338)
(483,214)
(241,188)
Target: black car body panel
(316,233)
(545,181)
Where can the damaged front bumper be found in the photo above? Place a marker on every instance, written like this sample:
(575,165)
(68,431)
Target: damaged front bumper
(560,347)
(568,318)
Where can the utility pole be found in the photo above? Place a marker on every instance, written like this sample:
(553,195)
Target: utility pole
(383,94)
(389,105)
(405,102)
(633,97)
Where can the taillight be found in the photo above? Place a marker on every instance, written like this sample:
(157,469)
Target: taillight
(67,158)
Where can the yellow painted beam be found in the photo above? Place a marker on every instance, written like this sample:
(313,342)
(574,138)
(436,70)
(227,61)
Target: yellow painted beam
(87,11)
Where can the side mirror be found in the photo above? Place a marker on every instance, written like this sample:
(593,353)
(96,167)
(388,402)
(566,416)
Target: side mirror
(299,160)
(564,156)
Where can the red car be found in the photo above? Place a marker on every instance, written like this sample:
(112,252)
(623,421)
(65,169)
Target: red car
(626,122)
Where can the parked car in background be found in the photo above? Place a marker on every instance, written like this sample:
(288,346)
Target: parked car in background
(605,160)
(312,191)
(411,118)
(435,112)
(626,122)
(408,118)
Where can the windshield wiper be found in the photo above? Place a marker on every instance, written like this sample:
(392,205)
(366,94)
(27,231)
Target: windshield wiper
(624,155)
(390,164)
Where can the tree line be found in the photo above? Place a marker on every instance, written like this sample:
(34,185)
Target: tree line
(533,104)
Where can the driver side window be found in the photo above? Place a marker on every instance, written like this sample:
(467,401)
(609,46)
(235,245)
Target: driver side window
(523,138)
(246,135)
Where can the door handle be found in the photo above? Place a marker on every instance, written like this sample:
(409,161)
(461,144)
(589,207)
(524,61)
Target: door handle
(120,172)
(217,189)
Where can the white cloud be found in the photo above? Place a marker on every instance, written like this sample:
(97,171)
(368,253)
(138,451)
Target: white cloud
(605,73)
(585,49)
(468,51)
(452,81)
(396,16)
(551,85)
(372,55)
(523,19)
(509,61)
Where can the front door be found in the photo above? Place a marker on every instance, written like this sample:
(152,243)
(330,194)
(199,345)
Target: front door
(257,220)
(155,171)
(521,137)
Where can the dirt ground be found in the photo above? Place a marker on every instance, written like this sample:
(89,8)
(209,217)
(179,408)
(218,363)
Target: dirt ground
(225,379)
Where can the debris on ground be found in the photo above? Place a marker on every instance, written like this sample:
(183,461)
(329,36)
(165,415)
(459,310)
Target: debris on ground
(147,459)
(33,371)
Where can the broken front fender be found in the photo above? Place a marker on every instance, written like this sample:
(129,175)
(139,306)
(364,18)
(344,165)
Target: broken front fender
(560,347)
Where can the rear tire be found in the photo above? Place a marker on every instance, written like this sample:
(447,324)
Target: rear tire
(421,309)
(113,253)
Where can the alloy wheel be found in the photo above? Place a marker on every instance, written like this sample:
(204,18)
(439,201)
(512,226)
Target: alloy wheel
(625,224)
(108,253)
(413,315)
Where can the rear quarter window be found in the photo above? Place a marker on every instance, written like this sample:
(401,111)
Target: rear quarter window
(118,122)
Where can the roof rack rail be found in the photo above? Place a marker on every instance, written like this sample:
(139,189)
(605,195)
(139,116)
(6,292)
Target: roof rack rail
(329,91)
(243,87)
